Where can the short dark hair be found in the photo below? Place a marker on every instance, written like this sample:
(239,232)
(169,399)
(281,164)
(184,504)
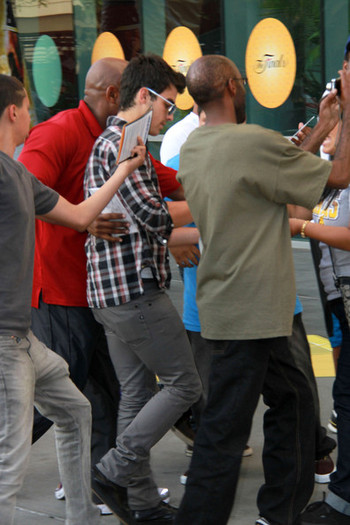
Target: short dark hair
(11,92)
(147,71)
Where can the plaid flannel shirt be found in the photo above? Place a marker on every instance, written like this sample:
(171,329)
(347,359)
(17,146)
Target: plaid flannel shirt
(114,269)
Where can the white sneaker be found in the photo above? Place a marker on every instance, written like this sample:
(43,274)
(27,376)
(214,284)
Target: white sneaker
(183,478)
(104,510)
(262,521)
(332,422)
(59,492)
(164,494)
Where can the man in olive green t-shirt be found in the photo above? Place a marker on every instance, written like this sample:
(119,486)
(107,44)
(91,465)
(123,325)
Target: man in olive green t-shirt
(238,181)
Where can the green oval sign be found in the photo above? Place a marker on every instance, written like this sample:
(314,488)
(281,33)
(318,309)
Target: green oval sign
(47,71)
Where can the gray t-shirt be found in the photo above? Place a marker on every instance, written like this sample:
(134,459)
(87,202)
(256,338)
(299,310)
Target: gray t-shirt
(333,211)
(22,197)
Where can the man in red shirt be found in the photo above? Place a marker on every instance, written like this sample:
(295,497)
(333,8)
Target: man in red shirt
(56,152)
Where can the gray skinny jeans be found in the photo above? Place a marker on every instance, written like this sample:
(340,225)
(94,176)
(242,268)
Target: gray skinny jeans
(146,337)
(31,374)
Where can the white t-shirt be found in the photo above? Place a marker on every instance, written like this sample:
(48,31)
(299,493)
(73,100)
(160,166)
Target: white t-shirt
(176,136)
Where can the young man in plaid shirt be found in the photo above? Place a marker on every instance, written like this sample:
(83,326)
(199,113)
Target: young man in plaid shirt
(126,289)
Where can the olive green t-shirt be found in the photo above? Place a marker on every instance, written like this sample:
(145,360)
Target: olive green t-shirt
(237,181)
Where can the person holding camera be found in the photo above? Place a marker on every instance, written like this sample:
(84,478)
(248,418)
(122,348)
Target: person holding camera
(331,227)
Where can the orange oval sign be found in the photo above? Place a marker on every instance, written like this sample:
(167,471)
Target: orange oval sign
(181,49)
(270,63)
(107,45)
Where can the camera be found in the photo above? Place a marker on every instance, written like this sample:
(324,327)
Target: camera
(335,83)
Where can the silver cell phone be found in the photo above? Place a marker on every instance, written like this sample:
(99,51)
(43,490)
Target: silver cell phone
(302,127)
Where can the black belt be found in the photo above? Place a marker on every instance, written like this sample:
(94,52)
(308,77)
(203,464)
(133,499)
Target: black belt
(149,284)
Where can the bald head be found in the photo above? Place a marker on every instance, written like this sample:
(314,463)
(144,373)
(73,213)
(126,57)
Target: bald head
(215,84)
(103,73)
(102,85)
(207,77)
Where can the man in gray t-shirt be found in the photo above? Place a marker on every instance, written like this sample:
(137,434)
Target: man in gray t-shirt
(22,198)
(30,373)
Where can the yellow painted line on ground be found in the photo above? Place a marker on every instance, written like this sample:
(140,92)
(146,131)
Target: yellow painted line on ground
(321,356)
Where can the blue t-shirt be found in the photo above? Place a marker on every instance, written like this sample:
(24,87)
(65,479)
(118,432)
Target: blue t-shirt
(190,315)
(298,307)
(174,162)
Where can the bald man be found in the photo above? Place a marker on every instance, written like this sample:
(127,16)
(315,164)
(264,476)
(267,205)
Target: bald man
(238,180)
(56,152)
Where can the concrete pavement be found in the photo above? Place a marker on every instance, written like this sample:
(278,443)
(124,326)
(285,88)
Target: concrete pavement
(36,503)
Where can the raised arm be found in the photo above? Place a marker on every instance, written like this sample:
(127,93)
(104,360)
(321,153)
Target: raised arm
(79,216)
(340,174)
(328,118)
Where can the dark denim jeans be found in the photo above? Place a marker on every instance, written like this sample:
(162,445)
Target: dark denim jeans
(240,371)
(340,480)
(299,346)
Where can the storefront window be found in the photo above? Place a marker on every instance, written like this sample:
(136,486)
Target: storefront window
(124,20)
(203,17)
(304,21)
(319,29)
(48,44)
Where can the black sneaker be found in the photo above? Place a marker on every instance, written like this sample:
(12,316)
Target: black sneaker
(112,495)
(320,513)
(163,514)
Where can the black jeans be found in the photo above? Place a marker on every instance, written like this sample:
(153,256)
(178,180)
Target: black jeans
(240,371)
(299,346)
(340,480)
